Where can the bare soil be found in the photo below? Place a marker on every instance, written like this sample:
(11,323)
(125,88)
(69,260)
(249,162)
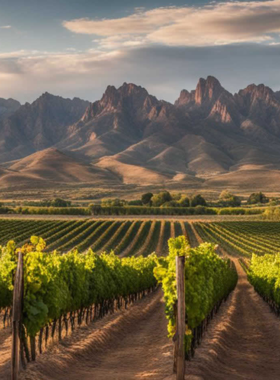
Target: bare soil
(5,352)
(243,341)
(128,345)
(170,218)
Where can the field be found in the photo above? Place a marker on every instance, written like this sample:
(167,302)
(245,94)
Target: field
(243,238)
(240,343)
(125,237)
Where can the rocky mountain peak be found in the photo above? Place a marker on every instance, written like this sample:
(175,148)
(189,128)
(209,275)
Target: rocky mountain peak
(257,92)
(127,98)
(254,99)
(207,90)
(206,93)
(41,124)
(116,97)
(184,98)
(209,99)
(132,127)
(111,97)
(47,95)
(8,107)
(128,89)
(46,98)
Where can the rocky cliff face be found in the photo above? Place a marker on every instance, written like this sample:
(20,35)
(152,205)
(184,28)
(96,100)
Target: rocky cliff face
(8,107)
(121,118)
(209,100)
(260,105)
(39,125)
(207,132)
(130,100)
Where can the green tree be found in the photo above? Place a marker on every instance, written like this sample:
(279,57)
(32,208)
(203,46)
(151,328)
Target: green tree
(229,200)
(113,202)
(161,198)
(176,196)
(255,198)
(58,202)
(146,198)
(198,200)
(184,202)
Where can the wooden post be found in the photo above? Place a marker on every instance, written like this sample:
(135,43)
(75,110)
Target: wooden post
(17,318)
(181,318)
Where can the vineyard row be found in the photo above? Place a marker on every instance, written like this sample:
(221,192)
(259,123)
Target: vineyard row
(126,238)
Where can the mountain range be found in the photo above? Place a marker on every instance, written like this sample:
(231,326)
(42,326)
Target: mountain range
(209,138)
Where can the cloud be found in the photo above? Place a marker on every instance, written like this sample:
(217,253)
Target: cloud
(163,70)
(121,42)
(26,74)
(5,27)
(42,63)
(213,24)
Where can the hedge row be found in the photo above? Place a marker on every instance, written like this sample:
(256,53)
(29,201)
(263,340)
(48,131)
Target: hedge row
(134,210)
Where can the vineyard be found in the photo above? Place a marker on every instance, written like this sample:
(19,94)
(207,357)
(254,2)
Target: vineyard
(126,238)
(62,291)
(203,266)
(82,270)
(258,244)
(242,238)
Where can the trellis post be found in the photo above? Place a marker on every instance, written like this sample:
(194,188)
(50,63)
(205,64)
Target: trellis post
(179,349)
(17,318)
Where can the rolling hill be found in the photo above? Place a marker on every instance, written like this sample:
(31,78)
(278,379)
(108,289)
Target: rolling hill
(50,166)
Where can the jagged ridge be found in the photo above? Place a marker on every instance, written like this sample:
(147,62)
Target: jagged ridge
(207,133)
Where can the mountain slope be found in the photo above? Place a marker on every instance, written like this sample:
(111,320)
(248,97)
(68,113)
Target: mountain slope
(38,125)
(51,166)
(209,136)
(123,117)
(8,107)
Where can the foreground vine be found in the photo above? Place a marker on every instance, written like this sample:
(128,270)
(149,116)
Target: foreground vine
(62,291)
(209,280)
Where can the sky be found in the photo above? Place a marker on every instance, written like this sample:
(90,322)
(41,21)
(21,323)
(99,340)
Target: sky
(77,48)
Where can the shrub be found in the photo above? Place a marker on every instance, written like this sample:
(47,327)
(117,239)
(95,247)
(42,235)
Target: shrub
(198,200)
(255,198)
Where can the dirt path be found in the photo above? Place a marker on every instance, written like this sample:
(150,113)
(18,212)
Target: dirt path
(129,345)
(143,249)
(197,239)
(5,352)
(243,341)
(159,247)
(172,229)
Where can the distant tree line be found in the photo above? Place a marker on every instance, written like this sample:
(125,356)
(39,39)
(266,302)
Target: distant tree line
(57,202)
(167,199)
(161,199)
(161,203)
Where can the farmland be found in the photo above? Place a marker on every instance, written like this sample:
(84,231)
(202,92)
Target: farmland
(143,324)
(243,238)
(129,237)
(125,237)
